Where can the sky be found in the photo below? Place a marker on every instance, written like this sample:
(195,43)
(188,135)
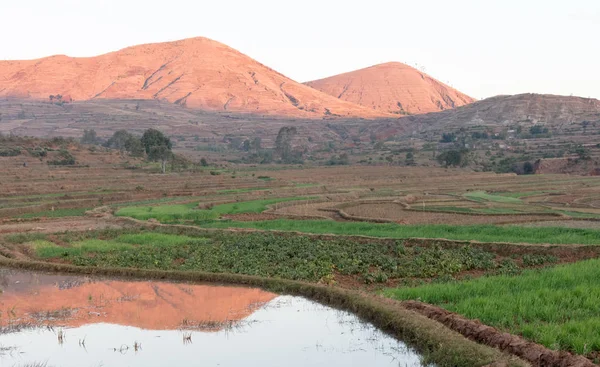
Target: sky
(482,48)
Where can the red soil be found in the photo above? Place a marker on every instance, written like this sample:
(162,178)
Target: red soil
(197,73)
(393,88)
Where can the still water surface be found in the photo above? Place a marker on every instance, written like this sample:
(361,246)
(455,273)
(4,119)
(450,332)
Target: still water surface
(69,321)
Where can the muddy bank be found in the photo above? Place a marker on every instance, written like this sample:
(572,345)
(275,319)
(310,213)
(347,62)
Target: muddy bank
(537,355)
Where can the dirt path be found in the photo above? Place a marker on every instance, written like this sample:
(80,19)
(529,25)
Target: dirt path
(53,225)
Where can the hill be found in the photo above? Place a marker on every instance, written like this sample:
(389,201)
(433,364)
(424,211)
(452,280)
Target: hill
(499,131)
(197,73)
(392,88)
(504,133)
(559,113)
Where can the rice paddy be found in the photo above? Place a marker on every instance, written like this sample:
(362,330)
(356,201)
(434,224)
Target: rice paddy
(191,212)
(557,307)
(483,196)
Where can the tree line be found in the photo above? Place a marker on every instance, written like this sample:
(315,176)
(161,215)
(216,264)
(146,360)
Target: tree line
(153,144)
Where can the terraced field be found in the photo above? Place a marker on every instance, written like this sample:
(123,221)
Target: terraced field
(422,233)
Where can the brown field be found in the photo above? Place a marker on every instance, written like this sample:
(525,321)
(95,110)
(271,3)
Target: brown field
(398,214)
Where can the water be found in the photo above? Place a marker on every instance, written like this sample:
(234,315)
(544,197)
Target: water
(65,321)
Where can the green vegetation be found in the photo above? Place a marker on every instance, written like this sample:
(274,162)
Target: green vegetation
(483,196)
(158,201)
(525,194)
(191,212)
(9,152)
(268,255)
(500,211)
(579,214)
(58,213)
(65,158)
(483,233)
(20,238)
(557,307)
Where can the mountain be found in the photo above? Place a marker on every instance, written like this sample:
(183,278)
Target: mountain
(198,73)
(392,88)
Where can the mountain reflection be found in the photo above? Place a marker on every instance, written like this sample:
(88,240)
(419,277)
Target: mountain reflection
(35,299)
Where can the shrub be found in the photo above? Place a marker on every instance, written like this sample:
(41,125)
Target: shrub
(10,152)
(65,159)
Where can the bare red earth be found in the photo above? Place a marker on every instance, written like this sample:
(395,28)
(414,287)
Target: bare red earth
(197,73)
(393,88)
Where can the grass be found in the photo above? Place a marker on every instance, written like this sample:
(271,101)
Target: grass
(524,194)
(557,307)
(173,213)
(118,245)
(483,196)
(500,211)
(268,255)
(47,249)
(482,233)
(579,214)
(157,201)
(449,209)
(19,238)
(57,213)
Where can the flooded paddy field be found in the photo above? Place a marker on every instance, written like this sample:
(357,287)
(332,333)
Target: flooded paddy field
(64,320)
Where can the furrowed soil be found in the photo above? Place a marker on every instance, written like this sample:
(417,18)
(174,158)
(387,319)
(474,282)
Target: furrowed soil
(397,213)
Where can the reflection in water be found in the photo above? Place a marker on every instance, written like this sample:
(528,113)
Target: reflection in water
(33,298)
(73,321)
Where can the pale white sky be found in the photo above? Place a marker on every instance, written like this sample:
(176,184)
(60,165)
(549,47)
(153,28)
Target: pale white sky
(481,47)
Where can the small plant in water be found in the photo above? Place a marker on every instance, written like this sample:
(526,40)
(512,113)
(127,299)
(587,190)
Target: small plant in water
(61,337)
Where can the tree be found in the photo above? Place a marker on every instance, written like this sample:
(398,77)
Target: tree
(119,140)
(528,168)
(342,159)
(153,138)
(410,159)
(162,154)
(453,157)
(283,143)
(89,137)
(538,129)
(255,144)
(134,146)
(203,162)
(448,138)
(157,147)
(236,143)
